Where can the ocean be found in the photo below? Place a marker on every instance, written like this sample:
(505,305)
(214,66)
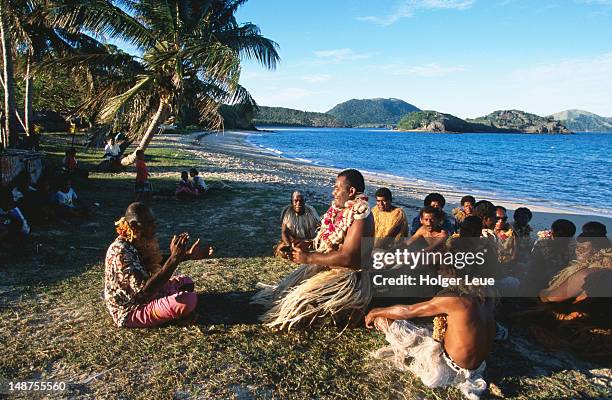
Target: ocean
(570,172)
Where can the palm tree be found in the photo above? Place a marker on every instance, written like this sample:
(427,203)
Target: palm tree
(191,54)
(9,136)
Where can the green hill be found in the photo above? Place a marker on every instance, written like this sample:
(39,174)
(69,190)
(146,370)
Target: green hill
(520,121)
(372,112)
(289,117)
(433,121)
(583,121)
(512,121)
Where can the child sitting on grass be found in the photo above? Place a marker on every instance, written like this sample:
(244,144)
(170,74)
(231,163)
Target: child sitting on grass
(185,189)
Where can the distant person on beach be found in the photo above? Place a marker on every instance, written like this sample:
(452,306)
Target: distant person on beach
(466,210)
(329,285)
(390,222)
(435,200)
(430,236)
(198,181)
(522,230)
(185,189)
(140,290)
(203,187)
(299,223)
(142,186)
(454,352)
(552,251)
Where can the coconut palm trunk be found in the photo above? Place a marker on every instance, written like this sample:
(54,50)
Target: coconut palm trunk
(28,96)
(157,119)
(10,119)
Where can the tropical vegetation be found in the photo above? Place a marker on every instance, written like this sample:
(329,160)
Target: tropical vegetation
(371,112)
(189,62)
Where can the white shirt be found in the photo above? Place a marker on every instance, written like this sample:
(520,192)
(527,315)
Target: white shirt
(66,199)
(112,149)
(199,183)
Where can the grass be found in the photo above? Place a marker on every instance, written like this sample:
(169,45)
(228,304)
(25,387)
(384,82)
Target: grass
(54,326)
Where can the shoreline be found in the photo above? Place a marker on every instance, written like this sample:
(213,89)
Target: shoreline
(265,166)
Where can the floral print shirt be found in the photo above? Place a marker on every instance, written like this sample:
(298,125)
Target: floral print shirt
(124,279)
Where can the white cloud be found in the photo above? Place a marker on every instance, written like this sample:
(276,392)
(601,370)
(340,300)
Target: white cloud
(338,55)
(407,8)
(584,83)
(316,78)
(284,97)
(427,71)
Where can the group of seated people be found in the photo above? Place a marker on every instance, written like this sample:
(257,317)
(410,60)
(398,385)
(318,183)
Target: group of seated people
(333,282)
(25,204)
(550,268)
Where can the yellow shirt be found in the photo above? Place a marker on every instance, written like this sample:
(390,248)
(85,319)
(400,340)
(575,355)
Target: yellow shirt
(389,224)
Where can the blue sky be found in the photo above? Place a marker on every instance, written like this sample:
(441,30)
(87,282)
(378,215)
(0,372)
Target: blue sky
(464,57)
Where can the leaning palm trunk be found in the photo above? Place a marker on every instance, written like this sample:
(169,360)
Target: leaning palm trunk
(10,122)
(150,132)
(327,295)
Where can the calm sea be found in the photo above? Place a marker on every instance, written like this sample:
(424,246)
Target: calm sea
(570,172)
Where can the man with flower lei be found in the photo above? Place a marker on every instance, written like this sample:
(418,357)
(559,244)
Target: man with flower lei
(328,283)
(138,291)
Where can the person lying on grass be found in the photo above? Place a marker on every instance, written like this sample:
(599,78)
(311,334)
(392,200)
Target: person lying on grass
(139,291)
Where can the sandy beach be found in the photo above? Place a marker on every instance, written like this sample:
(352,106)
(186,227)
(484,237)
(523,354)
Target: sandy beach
(235,159)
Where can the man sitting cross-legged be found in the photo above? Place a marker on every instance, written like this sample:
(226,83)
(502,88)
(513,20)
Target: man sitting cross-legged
(453,355)
(139,292)
(299,222)
(329,283)
(389,221)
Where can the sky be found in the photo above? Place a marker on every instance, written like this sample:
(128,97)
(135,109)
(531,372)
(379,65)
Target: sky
(463,57)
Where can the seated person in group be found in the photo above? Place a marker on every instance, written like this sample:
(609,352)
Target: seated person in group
(430,236)
(70,164)
(487,212)
(185,189)
(390,222)
(466,209)
(67,203)
(142,186)
(299,222)
(331,265)
(574,313)
(437,201)
(506,249)
(552,251)
(522,230)
(455,352)
(139,291)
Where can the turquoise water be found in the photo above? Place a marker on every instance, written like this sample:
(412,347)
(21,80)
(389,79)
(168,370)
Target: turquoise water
(562,171)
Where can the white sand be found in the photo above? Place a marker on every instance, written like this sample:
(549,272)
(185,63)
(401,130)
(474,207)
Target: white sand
(235,159)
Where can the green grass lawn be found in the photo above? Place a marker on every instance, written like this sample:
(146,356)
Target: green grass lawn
(55,327)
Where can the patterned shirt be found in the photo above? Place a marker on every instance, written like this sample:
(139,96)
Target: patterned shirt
(124,279)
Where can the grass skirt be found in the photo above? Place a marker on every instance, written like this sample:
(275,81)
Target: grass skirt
(309,300)
(412,348)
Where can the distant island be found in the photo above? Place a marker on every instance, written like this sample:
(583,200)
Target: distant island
(503,121)
(583,121)
(397,114)
(271,116)
(367,113)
